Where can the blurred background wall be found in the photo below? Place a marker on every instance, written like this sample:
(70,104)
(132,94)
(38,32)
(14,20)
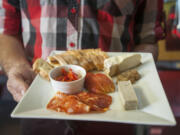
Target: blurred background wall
(169,48)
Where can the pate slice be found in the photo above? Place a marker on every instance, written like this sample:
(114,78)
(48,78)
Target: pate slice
(117,64)
(127,95)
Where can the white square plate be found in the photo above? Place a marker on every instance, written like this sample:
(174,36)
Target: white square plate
(153,107)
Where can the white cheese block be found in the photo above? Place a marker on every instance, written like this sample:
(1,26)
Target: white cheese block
(127,95)
(117,64)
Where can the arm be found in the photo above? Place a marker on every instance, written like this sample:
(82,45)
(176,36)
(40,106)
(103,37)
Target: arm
(15,65)
(152,48)
(148,28)
(12,55)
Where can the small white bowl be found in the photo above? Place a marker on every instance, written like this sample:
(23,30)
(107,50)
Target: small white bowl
(71,87)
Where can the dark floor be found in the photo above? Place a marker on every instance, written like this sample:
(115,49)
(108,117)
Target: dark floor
(175,130)
(8,126)
(11,127)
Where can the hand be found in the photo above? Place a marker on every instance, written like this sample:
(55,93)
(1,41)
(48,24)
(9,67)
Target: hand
(19,79)
(151,48)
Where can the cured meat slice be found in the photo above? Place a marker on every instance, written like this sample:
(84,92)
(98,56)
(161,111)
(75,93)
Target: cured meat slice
(97,102)
(67,103)
(83,102)
(99,83)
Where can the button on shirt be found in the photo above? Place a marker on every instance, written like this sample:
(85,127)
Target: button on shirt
(112,25)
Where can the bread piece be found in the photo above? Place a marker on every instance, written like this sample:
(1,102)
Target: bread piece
(118,64)
(95,56)
(70,59)
(42,67)
(36,65)
(90,59)
(60,59)
(101,53)
(52,61)
(96,52)
(127,95)
(86,55)
(82,61)
(98,63)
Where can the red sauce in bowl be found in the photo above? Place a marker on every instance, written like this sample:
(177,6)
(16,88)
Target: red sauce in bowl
(67,76)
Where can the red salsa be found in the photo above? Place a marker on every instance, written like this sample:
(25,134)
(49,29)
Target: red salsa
(67,76)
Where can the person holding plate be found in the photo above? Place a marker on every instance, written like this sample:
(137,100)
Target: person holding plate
(31,29)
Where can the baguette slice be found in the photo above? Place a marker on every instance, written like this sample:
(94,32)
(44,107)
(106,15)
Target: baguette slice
(117,64)
(96,57)
(60,59)
(42,67)
(127,95)
(52,61)
(83,61)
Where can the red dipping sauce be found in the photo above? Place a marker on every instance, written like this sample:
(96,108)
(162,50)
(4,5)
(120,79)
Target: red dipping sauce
(67,76)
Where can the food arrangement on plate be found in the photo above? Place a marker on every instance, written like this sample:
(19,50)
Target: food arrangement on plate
(64,71)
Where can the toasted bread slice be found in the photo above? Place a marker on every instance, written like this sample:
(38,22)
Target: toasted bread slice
(60,59)
(52,61)
(69,58)
(96,57)
(82,61)
(42,67)
(90,59)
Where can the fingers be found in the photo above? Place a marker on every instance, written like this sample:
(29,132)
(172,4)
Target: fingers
(17,97)
(19,79)
(29,76)
(17,87)
(33,75)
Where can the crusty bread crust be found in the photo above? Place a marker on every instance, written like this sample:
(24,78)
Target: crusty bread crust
(90,59)
(42,68)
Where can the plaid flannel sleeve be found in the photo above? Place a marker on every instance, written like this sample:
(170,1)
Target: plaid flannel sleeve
(10,19)
(148,22)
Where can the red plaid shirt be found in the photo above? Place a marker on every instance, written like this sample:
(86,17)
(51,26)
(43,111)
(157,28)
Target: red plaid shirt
(112,25)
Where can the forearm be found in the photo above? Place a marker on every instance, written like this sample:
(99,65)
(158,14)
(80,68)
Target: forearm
(12,53)
(152,48)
